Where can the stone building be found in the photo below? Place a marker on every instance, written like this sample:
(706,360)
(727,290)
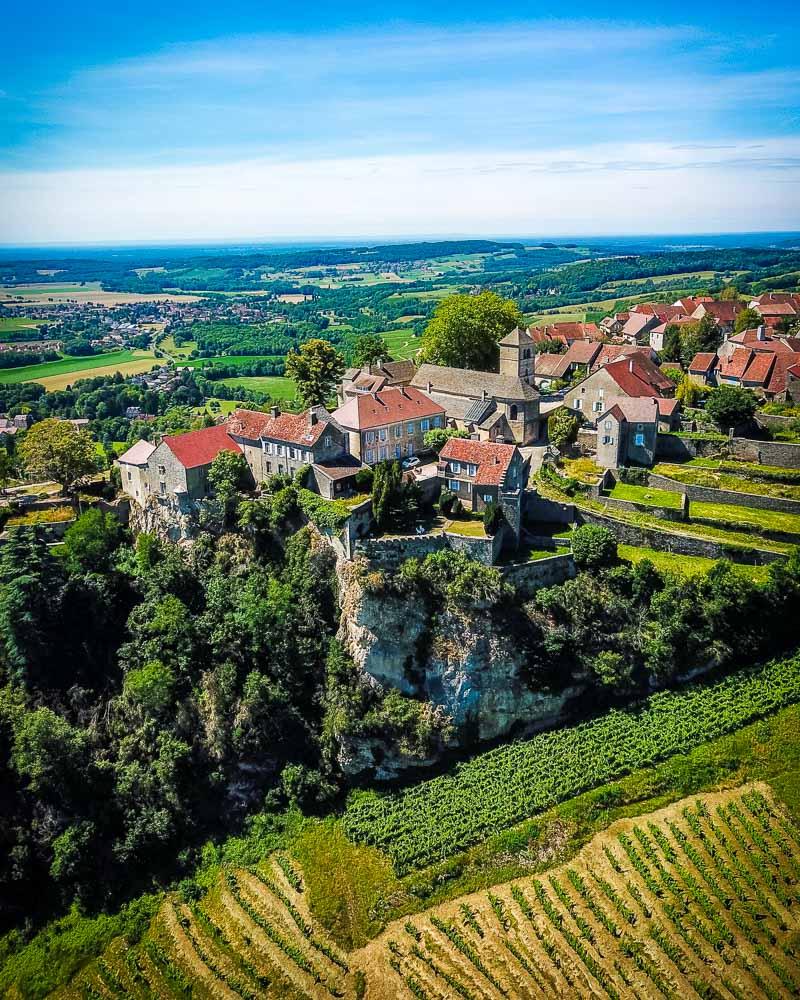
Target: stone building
(373,378)
(627,378)
(480,472)
(389,424)
(490,405)
(627,433)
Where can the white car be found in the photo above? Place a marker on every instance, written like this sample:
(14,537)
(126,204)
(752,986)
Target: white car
(409,463)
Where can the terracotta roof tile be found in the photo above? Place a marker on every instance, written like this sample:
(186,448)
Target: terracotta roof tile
(390,406)
(703,362)
(200,447)
(491,459)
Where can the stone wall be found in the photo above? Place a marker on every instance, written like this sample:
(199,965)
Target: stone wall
(766,452)
(773,421)
(530,576)
(687,545)
(483,550)
(394,550)
(536,508)
(664,513)
(709,494)
(670,447)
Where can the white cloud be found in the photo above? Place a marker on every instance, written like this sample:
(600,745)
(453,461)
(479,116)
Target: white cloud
(573,190)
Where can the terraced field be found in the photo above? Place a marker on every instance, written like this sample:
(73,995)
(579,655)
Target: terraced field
(700,899)
(697,900)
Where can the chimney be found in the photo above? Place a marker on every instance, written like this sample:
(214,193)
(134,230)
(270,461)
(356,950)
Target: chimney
(484,394)
(761,333)
(312,417)
(274,411)
(630,365)
(430,386)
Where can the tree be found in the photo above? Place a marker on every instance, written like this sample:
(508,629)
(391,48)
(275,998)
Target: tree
(562,426)
(730,405)
(228,474)
(593,546)
(704,335)
(316,370)
(370,349)
(672,343)
(6,469)
(436,439)
(747,319)
(90,542)
(394,502)
(465,329)
(54,449)
(492,517)
(687,392)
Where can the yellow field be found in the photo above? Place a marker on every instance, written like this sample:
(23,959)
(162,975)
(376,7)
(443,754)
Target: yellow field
(42,292)
(53,382)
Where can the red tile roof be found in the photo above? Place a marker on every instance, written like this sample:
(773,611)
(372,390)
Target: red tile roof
(703,363)
(390,406)
(638,376)
(736,365)
(759,369)
(200,447)
(666,407)
(725,312)
(613,352)
(582,352)
(566,332)
(491,459)
(777,380)
(293,428)
(777,309)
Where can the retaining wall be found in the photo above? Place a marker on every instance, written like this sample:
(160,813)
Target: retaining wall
(484,550)
(530,576)
(710,494)
(536,508)
(766,452)
(670,446)
(665,513)
(687,545)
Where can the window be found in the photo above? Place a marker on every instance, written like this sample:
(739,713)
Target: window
(425,425)
(577,403)
(437,421)
(328,440)
(268,447)
(639,440)
(607,425)
(162,470)
(398,451)
(512,412)
(487,498)
(640,427)
(162,488)
(269,467)
(472,470)
(598,406)
(398,430)
(454,485)
(383,452)
(410,428)
(370,456)
(383,434)
(279,449)
(455,466)
(600,393)
(370,437)
(130,475)
(607,439)
(410,449)
(309,456)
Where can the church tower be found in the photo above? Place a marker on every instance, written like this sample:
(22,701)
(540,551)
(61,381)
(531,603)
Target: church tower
(516,355)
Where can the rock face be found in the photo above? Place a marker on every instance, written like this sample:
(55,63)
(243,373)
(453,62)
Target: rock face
(458,661)
(167,521)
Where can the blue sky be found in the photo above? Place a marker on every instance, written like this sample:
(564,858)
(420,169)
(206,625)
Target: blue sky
(271,121)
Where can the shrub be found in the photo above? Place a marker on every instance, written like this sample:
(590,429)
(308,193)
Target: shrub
(593,546)
(562,427)
(363,479)
(730,405)
(492,517)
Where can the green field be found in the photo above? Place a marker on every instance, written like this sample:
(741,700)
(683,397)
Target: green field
(233,360)
(401,343)
(672,562)
(9,324)
(274,385)
(66,366)
(752,517)
(646,495)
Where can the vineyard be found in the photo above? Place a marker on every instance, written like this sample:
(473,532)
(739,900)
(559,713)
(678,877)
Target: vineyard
(699,900)
(441,816)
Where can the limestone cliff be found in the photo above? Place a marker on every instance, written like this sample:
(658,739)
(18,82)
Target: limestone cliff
(460,661)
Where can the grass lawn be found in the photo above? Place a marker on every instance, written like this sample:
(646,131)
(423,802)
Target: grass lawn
(672,562)
(723,480)
(647,495)
(770,519)
(466,525)
(9,324)
(428,293)
(275,385)
(168,345)
(49,516)
(58,374)
(226,406)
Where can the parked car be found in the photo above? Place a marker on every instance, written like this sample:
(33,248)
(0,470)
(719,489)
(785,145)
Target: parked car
(409,463)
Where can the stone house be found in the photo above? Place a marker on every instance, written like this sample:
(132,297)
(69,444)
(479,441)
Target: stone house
(282,443)
(629,377)
(723,313)
(178,467)
(389,424)
(133,470)
(702,368)
(627,433)
(478,472)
